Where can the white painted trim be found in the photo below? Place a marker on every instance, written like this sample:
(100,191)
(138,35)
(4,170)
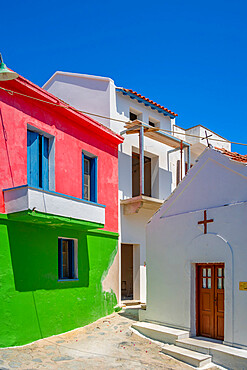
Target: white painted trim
(24,198)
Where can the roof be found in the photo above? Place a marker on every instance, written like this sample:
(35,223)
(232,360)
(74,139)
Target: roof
(233,155)
(215,180)
(142,99)
(26,88)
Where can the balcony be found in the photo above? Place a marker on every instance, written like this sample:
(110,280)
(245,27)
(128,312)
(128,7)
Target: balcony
(135,204)
(45,202)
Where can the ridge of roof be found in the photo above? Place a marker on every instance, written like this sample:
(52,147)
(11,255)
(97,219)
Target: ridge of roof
(233,155)
(148,100)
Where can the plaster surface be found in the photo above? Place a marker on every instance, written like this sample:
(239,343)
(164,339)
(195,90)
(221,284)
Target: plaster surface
(28,198)
(71,134)
(176,242)
(35,304)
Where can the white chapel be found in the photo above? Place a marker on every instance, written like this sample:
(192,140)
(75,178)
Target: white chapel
(197,252)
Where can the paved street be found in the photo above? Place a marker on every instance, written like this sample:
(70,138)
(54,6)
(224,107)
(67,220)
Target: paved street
(107,344)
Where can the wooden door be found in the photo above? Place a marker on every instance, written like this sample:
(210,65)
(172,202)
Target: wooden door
(210,300)
(127,271)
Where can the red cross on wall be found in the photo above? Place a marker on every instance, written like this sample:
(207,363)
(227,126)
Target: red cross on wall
(205,222)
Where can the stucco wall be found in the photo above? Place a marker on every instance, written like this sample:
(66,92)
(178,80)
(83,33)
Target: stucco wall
(175,244)
(34,304)
(71,139)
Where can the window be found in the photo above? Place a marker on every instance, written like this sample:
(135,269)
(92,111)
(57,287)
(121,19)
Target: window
(89,178)
(37,160)
(136,175)
(67,258)
(153,122)
(133,116)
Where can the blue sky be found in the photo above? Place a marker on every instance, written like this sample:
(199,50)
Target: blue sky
(189,56)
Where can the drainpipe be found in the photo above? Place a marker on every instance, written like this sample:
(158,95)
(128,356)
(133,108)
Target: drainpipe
(141,145)
(181,159)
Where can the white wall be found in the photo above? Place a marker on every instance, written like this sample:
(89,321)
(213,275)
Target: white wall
(88,93)
(27,198)
(175,244)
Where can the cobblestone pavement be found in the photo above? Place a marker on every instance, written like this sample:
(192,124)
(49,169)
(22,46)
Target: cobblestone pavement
(105,344)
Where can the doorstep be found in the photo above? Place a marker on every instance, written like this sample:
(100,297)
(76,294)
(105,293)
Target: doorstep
(227,356)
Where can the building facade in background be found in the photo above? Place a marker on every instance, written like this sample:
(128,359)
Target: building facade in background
(165,159)
(58,216)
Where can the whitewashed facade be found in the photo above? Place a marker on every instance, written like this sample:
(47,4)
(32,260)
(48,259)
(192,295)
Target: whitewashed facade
(177,245)
(99,95)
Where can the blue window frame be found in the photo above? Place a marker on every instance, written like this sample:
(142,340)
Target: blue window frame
(37,160)
(66,259)
(89,178)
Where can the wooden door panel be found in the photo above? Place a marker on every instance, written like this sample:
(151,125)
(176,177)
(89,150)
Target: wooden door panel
(210,300)
(220,300)
(206,300)
(206,325)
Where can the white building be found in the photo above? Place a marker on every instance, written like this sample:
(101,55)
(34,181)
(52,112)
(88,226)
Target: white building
(161,157)
(197,252)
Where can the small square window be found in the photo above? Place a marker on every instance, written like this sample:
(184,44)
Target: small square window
(133,116)
(153,122)
(67,259)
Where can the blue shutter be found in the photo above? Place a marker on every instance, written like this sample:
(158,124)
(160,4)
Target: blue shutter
(45,163)
(33,158)
(82,167)
(60,259)
(71,259)
(93,182)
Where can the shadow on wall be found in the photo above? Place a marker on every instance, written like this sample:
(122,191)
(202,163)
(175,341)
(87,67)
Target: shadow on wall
(34,255)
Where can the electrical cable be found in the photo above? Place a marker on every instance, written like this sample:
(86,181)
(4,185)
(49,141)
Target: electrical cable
(62,104)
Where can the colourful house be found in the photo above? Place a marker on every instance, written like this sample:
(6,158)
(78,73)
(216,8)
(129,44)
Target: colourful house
(58,215)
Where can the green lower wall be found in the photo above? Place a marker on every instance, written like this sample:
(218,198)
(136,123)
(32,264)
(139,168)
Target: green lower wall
(33,303)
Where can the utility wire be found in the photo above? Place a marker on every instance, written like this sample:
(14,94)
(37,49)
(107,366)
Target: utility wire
(62,104)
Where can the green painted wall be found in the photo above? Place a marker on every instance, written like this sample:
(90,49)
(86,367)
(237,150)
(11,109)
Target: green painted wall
(34,304)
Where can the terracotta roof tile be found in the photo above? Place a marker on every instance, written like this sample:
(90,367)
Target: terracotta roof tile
(233,155)
(150,101)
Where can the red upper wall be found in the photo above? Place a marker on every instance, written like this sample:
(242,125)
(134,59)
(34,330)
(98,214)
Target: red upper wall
(73,133)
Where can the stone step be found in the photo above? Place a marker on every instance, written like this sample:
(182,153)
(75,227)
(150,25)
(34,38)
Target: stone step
(190,357)
(159,332)
(223,355)
(130,302)
(194,344)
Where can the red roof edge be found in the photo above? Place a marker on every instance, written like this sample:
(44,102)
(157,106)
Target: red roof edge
(150,101)
(233,155)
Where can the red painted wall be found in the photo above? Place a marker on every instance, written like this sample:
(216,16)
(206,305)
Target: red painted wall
(71,137)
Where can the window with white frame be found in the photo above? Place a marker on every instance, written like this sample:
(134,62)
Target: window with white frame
(153,122)
(67,259)
(134,114)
